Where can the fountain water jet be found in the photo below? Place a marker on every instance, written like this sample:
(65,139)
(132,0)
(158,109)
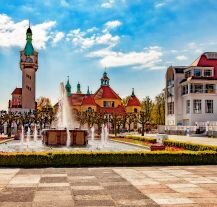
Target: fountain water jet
(106,134)
(64,134)
(22,135)
(28,136)
(35,133)
(92,132)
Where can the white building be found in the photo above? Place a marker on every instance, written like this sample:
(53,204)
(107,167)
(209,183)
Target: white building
(191,94)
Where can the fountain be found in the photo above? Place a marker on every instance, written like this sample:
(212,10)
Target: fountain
(106,135)
(28,135)
(64,134)
(22,135)
(92,133)
(35,133)
(103,135)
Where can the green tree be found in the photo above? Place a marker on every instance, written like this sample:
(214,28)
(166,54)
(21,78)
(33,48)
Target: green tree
(144,116)
(159,109)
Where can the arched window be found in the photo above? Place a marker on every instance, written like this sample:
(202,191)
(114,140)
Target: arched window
(89,109)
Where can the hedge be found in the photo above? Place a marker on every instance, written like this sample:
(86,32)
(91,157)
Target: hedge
(96,159)
(190,146)
(144,139)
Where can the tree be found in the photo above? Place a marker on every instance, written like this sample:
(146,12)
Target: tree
(125,100)
(160,108)
(130,118)
(117,121)
(144,116)
(43,103)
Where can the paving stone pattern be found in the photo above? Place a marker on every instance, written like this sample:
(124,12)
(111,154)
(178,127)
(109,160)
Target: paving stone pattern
(122,187)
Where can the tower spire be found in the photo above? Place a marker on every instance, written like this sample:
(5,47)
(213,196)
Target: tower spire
(78,88)
(133,94)
(105,79)
(29,50)
(88,90)
(68,87)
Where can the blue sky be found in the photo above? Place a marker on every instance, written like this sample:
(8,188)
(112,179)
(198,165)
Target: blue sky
(136,40)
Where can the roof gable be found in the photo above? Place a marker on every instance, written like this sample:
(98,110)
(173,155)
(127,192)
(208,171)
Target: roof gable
(133,101)
(17,91)
(106,92)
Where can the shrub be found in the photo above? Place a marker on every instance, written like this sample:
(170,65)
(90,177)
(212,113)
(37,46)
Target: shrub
(190,146)
(79,159)
(144,139)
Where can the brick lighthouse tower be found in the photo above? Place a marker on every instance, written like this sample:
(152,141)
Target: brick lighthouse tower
(29,66)
(23,99)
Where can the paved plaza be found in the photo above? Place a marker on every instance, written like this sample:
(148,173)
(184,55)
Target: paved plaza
(129,186)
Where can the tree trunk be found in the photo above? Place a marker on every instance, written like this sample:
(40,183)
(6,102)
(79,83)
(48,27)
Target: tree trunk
(128,127)
(143,129)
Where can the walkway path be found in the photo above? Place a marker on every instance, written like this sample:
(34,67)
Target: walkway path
(198,140)
(123,187)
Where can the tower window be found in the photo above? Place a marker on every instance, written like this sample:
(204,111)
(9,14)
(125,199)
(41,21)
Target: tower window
(28,76)
(28,88)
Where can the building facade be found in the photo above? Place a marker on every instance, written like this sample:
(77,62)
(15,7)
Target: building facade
(104,100)
(191,95)
(23,99)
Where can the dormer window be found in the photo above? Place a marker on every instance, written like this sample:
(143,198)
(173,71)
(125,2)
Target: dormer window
(207,73)
(197,72)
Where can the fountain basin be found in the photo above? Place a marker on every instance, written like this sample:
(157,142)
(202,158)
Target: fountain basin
(56,137)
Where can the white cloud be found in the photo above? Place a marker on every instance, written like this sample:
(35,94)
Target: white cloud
(147,59)
(112,25)
(85,41)
(181,57)
(12,34)
(162,3)
(58,36)
(108,4)
(91,30)
(101,45)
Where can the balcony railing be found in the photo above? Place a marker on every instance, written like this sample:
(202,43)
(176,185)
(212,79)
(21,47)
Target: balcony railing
(210,91)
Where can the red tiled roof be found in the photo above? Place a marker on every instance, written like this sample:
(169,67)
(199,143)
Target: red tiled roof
(110,110)
(105,92)
(133,101)
(88,100)
(76,99)
(17,91)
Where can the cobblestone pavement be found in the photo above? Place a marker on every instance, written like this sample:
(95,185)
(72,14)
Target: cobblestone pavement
(125,187)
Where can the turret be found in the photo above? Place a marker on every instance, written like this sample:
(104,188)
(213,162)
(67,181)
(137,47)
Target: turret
(88,90)
(105,80)
(78,88)
(68,88)
(28,50)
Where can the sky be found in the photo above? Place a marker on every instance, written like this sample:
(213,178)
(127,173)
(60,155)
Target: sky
(135,40)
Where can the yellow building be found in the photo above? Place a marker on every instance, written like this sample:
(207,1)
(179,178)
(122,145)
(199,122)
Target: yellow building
(104,100)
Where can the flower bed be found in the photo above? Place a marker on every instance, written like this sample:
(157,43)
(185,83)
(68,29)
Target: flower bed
(146,142)
(189,146)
